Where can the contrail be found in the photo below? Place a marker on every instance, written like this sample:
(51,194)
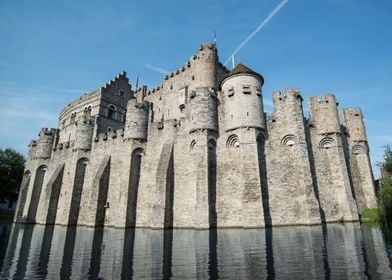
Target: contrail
(264,23)
(155,68)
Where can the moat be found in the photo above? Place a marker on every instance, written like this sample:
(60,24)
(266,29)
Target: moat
(335,251)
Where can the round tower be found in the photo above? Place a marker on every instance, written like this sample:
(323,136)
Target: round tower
(136,124)
(203,106)
(43,148)
(205,63)
(84,133)
(243,99)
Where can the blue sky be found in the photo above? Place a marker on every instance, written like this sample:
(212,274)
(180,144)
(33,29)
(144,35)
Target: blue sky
(53,51)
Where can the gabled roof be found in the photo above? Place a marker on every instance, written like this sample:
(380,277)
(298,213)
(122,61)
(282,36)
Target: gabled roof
(242,69)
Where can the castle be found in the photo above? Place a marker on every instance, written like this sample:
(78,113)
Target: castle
(198,151)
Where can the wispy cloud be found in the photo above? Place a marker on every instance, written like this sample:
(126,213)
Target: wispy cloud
(26,108)
(154,68)
(264,23)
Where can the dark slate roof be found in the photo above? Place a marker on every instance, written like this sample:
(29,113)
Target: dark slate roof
(242,69)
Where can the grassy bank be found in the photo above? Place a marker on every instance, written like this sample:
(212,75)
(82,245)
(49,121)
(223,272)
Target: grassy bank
(370,215)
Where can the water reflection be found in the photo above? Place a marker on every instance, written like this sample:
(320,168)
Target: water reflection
(349,251)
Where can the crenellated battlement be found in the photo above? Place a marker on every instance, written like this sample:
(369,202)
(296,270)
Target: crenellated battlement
(353,113)
(290,94)
(206,59)
(119,133)
(47,132)
(120,77)
(327,98)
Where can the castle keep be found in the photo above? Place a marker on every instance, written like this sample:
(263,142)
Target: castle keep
(198,151)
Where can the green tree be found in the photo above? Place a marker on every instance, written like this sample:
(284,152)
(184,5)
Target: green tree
(388,159)
(11,173)
(385,194)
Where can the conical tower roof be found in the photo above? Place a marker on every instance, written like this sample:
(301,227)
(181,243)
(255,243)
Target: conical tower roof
(242,69)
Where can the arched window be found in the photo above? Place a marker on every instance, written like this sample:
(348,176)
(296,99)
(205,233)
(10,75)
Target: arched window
(73,118)
(87,112)
(111,112)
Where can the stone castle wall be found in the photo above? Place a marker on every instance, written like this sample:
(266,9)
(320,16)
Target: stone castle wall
(198,151)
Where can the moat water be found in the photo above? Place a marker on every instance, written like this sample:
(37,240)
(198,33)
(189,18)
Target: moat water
(335,251)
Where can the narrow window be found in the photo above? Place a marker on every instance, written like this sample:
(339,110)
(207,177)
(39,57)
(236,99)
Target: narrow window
(246,89)
(73,118)
(111,112)
(230,92)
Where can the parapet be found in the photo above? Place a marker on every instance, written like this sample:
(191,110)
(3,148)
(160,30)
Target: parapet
(324,114)
(290,94)
(328,98)
(353,120)
(45,132)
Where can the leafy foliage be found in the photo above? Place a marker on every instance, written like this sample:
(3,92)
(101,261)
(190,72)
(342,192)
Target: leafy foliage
(11,173)
(388,159)
(385,201)
(385,195)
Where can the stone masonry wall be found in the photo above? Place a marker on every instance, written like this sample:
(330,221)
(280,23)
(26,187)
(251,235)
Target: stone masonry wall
(195,153)
(333,182)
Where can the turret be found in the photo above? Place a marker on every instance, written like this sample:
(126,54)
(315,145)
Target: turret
(43,148)
(288,112)
(355,125)
(361,169)
(84,133)
(203,105)
(136,123)
(243,99)
(205,66)
(324,114)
